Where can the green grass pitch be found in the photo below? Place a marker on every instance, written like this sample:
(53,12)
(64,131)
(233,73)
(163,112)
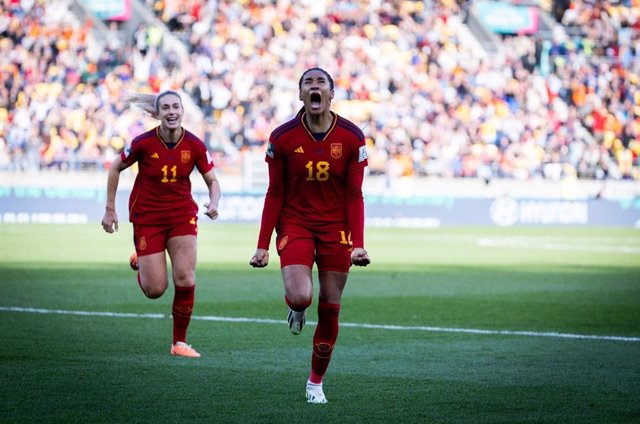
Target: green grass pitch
(450,325)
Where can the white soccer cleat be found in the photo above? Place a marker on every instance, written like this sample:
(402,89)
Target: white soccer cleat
(315,393)
(296,321)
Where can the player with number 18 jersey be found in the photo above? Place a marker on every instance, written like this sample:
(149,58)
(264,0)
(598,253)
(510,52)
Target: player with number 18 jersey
(314,202)
(327,168)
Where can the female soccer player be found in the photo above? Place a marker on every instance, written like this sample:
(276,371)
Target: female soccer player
(314,201)
(161,208)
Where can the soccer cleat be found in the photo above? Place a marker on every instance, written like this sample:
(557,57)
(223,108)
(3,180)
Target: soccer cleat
(183,349)
(133,261)
(315,393)
(296,321)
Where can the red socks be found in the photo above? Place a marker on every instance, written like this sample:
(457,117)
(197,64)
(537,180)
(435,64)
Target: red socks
(324,339)
(183,300)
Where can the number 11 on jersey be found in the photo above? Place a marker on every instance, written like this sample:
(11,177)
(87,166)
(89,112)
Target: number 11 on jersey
(174,172)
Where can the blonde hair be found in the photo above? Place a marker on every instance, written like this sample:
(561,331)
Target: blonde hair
(149,103)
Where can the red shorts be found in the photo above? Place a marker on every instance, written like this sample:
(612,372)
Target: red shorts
(150,239)
(330,247)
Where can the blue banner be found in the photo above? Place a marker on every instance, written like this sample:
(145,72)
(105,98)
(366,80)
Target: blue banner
(505,18)
(115,10)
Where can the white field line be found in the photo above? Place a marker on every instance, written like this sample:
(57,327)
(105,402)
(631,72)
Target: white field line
(533,243)
(342,324)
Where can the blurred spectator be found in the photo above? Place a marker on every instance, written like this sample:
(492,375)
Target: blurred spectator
(428,103)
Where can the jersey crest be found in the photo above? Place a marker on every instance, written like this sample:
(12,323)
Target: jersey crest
(142,243)
(336,150)
(185,156)
(283,242)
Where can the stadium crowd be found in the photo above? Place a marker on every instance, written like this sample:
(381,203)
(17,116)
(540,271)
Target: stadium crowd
(428,102)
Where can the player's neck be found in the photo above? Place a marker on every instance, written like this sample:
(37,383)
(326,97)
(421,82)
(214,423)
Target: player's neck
(319,123)
(170,135)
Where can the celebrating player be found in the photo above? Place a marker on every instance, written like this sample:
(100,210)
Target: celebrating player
(161,208)
(314,201)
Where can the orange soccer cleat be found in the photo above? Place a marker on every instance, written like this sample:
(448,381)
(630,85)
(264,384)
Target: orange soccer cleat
(183,349)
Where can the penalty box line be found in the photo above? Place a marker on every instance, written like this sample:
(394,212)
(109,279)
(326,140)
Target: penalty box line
(342,324)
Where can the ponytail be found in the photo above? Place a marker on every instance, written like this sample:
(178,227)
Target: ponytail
(145,102)
(149,103)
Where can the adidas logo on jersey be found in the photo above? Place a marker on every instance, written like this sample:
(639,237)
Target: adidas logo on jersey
(299,150)
(155,156)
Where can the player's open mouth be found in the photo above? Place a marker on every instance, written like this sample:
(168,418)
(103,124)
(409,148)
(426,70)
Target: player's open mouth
(316,99)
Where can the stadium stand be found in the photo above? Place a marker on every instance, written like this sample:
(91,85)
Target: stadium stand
(410,73)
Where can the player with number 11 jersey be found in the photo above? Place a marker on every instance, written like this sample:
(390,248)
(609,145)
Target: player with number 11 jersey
(162,191)
(161,207)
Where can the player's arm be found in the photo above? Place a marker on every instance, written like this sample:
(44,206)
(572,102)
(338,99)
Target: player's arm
(213,185)
(110,219)
(273,202)
(355,213)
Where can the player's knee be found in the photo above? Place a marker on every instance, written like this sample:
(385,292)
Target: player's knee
(153,291)
(299,301)
(183,276)
(184,280)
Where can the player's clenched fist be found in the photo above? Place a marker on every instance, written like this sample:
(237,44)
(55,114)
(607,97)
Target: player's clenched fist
(360,257)
(260,259)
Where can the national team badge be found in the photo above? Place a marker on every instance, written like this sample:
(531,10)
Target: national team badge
(183,309)
(323,349)
(336,150)
(142,243)
(185,156)
(283,242)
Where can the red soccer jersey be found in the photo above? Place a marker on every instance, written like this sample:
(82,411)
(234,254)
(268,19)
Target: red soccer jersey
(315,182)
(162,191)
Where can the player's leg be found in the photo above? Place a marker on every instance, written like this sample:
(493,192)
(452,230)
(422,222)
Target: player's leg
(152,274)
(183,253)
(297,251)
(298,294)
(332,285)
(151,260)
(333,259)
